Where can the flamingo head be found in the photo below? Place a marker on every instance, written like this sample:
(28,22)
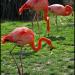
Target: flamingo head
(6,38)
(24,7)
(20,11)
(68,10)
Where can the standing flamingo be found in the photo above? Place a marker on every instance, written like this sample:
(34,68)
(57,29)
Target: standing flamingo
(37,5)
(60,10)
(22,36)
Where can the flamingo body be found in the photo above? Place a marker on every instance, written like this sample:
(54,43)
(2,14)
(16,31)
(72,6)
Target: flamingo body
(59,9)
(20,35)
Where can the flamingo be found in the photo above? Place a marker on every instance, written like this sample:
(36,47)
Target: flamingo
(22,36)
(37,5)
(60,10)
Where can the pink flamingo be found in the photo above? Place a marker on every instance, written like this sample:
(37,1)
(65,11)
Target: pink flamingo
(60,10)
(37,5)
(22,36)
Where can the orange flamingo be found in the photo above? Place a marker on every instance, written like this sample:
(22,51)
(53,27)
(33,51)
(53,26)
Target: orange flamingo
(37,5)
(22,36)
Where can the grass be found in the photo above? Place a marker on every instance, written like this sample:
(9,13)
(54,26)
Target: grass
(58,62)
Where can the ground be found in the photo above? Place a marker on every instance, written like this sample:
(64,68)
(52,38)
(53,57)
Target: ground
(59,61)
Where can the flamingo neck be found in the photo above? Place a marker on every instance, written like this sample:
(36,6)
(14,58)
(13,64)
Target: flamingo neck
(68,10)
(48,41)
(24,7)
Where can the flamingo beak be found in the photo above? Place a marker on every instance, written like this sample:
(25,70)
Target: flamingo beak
(3,39)
(20,11)
(52,48)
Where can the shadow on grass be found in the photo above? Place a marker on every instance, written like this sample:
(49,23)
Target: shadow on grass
(26,74)
(68,44)
(25,53)
(69,25)
(28,54)
(55,38)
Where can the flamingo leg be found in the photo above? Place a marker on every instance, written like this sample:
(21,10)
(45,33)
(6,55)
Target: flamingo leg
(21,61)
(33,21)
(56,22)
(15,60)
(61,19)
(36,17)
(38,23)
(47,20)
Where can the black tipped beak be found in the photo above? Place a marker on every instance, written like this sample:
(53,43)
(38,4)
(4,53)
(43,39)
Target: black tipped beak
(20,14)
(52,48)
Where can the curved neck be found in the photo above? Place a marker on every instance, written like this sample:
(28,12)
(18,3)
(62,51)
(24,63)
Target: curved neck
(24,7)
(48,41)
(68,10)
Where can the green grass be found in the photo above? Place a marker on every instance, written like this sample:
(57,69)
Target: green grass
(58,62)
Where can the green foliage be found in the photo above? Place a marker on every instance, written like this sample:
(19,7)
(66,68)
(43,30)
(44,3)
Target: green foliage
(59,61)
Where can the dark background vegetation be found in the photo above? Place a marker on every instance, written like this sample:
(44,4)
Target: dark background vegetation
(9,9)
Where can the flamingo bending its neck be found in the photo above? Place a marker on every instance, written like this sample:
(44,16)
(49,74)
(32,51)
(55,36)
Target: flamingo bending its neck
(37,5)
(22,36)
(61,10)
